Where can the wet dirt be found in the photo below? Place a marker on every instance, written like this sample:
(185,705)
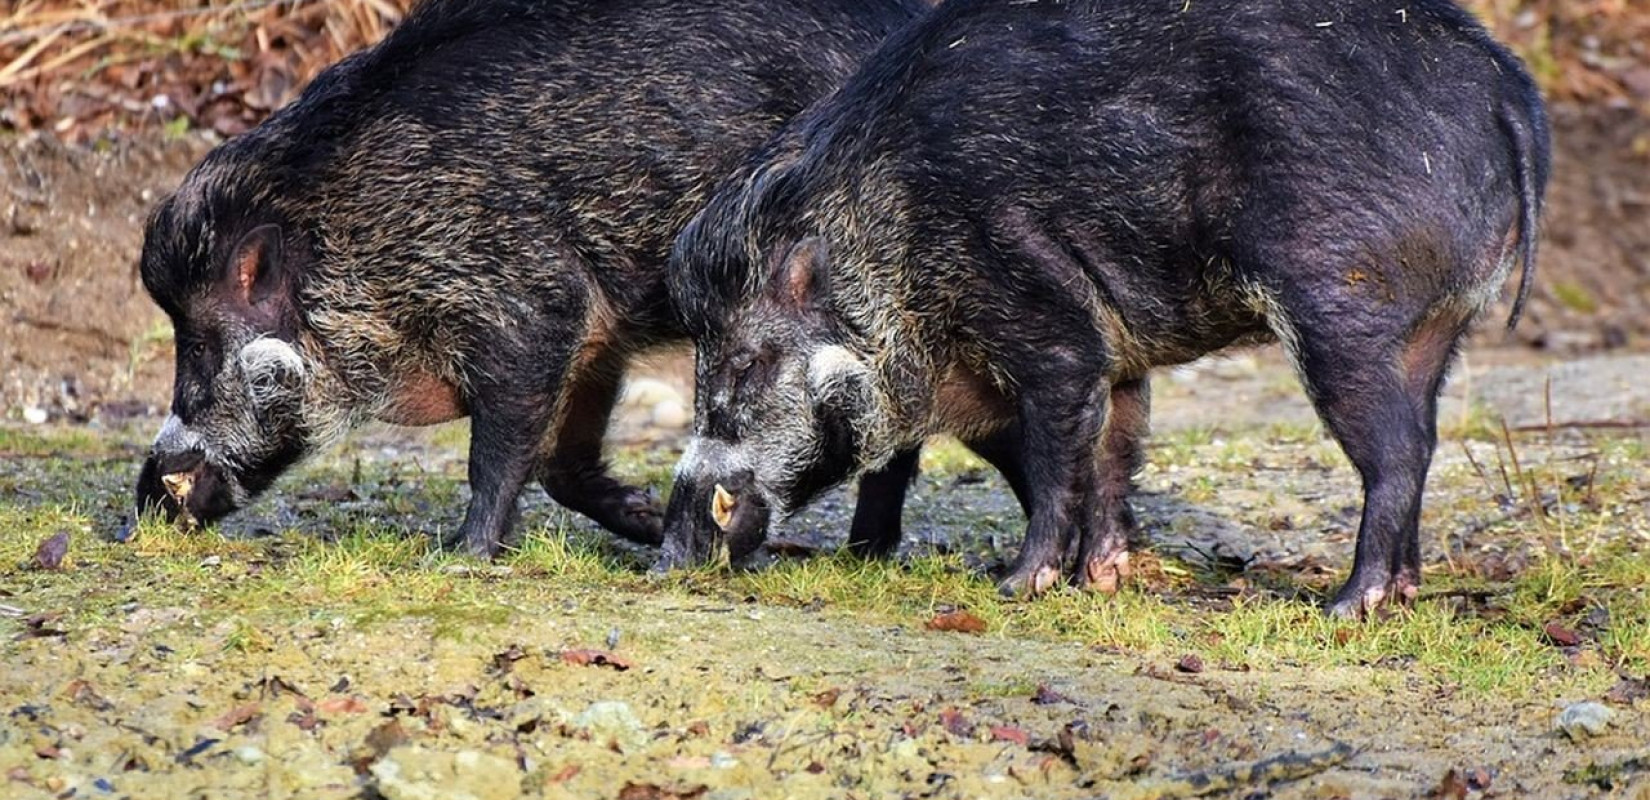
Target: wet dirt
(722,700)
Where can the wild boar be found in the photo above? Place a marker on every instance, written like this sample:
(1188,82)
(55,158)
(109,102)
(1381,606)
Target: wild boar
(472,217)
(1014,211)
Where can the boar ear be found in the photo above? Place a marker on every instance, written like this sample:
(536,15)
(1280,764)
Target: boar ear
(255,266)
(803,275)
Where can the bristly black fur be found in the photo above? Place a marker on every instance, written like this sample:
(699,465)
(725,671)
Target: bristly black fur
(473,217)
(1030,205)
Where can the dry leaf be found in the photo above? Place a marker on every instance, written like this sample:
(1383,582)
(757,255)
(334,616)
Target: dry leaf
(49,555)
(596,658)
(343,705)
(650,791)
(1560,635)
(1628,690)
(960,621)
(1452,787)
(956,724)
(1048,697)
(237,716)
(1009,733)
(827,698)
(37,626)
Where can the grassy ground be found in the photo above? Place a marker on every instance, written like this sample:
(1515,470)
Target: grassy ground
(329,653)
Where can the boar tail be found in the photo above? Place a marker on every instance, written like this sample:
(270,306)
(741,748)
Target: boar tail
(1526,125)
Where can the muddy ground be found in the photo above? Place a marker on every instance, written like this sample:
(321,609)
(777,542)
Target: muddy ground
(315,647)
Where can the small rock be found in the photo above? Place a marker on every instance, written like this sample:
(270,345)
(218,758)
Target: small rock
(35,415)
(670,414)
(418,773)
(647,393)
(612,720)
(1585,719)
(249,754)
(49,555)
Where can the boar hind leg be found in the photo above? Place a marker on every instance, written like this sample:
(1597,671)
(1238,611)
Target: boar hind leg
(573,471)
(1379,401)
(1425,360)
(876,529)
(1103,556)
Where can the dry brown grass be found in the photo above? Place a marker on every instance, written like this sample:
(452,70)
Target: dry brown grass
(81,68)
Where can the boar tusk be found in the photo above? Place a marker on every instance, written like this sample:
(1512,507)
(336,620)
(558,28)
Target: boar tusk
(721,507)
(178,485)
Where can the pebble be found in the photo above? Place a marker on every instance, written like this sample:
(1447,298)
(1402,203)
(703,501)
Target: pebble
(612,720)
(35,415)
(417,773)
(670,414)
(664,406)
(1582,720)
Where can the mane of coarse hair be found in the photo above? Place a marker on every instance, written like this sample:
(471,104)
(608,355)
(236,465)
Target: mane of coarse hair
(350,93)
(725,255)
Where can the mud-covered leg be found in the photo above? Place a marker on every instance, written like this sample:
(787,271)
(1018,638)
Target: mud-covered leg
(1364,402)
(574,472)
(505,431)
(1103,557)
(1060,430)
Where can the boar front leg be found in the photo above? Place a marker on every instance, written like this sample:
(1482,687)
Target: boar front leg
(507,425)
(1103,557)
(1061,416)
(573,471)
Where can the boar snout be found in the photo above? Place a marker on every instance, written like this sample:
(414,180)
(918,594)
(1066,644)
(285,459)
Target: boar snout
(177,481)
(709,512)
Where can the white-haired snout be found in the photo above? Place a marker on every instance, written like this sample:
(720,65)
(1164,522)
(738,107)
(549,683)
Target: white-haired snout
(834,371)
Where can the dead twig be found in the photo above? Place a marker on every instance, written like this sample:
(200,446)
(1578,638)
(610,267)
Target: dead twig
(1584,424)
(1291,766)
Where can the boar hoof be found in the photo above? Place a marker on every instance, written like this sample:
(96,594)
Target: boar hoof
(1378,600)
(1355,604)
(670,560)
(457,542)
(1106,574)
(1039,581)
(641,521)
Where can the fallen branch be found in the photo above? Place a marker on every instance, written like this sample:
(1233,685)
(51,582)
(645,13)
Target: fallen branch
(1625,424)
(1290,766)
